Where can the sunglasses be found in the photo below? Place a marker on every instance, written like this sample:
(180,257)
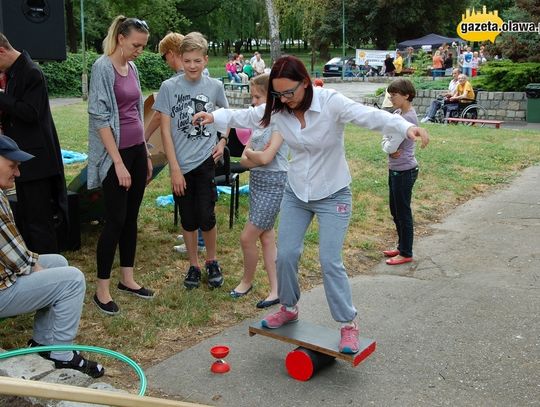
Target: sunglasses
(286,94)
(140,24)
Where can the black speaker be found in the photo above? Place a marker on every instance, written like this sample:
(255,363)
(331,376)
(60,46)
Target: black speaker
(37,26)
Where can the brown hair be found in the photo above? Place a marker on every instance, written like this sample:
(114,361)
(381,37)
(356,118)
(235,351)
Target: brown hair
(260,81)
(194,41)
(404,87)
(171,42)
(292,68)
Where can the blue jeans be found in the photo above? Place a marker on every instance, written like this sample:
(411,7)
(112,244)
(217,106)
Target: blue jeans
(333,215)
(400,184)
(56,294)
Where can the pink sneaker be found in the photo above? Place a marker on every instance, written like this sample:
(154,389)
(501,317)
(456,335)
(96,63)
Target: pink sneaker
(280,318)
(349,339)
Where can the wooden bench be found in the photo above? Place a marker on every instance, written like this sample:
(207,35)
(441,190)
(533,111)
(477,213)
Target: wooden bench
(236,86)
(496,123)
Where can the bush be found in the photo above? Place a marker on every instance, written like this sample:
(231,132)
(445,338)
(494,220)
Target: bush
(507,76)
(64,78)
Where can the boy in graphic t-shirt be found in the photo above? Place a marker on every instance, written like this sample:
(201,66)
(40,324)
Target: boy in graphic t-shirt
(192,153)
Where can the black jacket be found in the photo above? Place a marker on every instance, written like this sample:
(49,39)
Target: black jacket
(27,119)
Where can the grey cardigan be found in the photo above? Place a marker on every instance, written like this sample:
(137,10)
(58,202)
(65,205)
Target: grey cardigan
(103,112)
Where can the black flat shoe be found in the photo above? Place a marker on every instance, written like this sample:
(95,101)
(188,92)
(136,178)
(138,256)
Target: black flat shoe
(266,304)
(142,292)
(237,294)
(110,308)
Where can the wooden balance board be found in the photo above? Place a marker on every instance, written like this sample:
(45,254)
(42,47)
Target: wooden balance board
(318,346)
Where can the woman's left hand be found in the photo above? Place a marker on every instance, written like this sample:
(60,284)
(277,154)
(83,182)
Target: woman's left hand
(150,170)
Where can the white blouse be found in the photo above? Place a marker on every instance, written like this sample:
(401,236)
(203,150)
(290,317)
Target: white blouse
(318,167)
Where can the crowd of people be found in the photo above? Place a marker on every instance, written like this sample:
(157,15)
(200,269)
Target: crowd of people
(239,70)
(296,154)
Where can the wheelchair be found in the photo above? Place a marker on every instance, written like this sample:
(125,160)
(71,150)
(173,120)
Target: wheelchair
(465,109)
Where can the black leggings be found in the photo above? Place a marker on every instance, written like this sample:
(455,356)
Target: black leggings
(121,212)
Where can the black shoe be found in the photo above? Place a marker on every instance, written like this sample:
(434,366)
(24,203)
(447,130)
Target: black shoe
(89,367)
(215,278)
(141,292)
(193,278)
(266,304)
(32,344)
(110,308)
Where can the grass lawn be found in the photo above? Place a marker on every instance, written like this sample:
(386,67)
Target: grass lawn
(460,162)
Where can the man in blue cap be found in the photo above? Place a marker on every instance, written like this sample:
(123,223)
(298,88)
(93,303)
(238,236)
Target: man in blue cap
(45,283)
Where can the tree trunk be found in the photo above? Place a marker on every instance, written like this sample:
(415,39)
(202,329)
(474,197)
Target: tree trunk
(275,46)
(71,31)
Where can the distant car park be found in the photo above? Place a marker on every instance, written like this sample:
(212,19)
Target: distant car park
(334,66)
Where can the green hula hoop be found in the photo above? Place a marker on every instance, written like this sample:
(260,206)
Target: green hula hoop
(82,348)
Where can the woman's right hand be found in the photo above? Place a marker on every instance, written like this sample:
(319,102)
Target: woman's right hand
(178,183)
(123,175)
(202,118)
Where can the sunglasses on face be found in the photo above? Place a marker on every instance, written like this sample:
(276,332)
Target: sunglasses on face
(286,94)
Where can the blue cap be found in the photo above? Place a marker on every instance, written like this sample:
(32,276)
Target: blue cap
(10,150)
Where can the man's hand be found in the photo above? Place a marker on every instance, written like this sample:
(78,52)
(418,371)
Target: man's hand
(415,133)
(37,267)
(202,118)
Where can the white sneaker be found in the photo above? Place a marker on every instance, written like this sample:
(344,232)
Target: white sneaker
(425,120)
(183,249)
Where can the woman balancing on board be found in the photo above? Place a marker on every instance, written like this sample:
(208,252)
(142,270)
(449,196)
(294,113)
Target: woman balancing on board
(311,121)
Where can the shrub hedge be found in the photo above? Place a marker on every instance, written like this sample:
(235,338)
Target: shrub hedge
(64,78)
(507,76)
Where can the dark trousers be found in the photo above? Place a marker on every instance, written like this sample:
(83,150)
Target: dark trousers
(38,214)
(121,212)
(400,185)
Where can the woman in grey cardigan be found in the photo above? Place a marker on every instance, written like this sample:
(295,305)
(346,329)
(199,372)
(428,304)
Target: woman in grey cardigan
(118,159)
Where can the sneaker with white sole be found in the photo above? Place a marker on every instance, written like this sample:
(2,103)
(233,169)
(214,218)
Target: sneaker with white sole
(181,248)
(349,342)
(193,278)
(215,276)
(280,318)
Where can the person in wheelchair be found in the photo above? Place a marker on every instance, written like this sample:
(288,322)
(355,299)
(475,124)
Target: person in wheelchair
(443,98)
(463,95)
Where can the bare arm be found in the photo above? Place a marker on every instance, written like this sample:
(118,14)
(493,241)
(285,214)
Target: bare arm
(267,155)
(178,182)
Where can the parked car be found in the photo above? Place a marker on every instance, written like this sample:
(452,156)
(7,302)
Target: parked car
(334,66)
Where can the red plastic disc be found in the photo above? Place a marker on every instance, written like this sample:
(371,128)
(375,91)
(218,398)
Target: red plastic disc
(299,365)
(219,351)
(220,366)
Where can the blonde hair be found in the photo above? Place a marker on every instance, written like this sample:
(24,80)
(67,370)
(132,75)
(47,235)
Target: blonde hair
(260,81)
(194,41)
(171,42)
(121,25)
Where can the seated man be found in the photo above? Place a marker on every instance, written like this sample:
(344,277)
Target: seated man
(42,283)
(464,93)
(444,97)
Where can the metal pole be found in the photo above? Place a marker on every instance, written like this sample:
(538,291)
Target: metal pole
(343,40)
(84,77)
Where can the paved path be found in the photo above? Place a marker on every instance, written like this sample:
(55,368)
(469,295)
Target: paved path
(458,327)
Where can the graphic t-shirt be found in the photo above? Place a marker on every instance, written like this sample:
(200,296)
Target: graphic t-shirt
(181,99)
